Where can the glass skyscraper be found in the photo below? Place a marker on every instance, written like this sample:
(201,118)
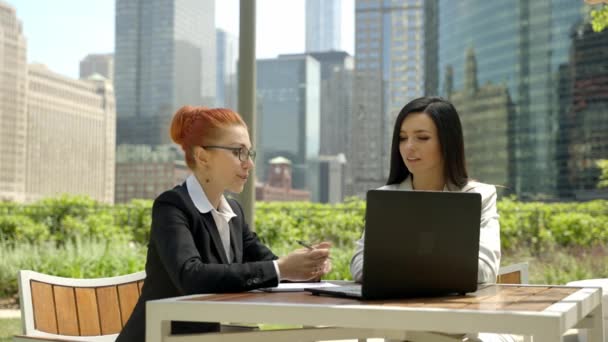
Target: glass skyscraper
(389,72)
(520,46)
(288,118)
(226,78)
(164,59)
(323,25)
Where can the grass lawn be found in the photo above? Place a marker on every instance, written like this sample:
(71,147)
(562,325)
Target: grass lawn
(8,328)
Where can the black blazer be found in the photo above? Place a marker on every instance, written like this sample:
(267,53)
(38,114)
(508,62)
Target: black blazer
(186,256)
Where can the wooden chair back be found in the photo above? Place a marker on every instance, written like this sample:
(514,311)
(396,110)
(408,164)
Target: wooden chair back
(81,309)
(513,274)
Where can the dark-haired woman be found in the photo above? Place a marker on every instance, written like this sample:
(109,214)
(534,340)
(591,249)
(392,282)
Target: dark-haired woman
(199,241)
(428,154)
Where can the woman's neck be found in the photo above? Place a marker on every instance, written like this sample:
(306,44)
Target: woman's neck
(428,183)
(213,193)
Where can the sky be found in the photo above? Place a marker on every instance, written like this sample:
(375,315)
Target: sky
(60,33)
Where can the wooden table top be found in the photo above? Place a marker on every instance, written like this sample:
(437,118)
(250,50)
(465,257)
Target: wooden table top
(489,297)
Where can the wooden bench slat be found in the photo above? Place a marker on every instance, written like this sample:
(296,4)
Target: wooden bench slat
(45,318)
(65,307)
(128,295)
(109,310)
(510,278)
(86,302)
(140,285)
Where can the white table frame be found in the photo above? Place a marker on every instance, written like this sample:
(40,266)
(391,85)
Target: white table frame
(582,309)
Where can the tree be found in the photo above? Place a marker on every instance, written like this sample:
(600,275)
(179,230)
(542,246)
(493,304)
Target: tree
(599,16)
(603,165)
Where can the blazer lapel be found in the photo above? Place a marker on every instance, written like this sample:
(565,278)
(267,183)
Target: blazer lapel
(236,242)
(209,224)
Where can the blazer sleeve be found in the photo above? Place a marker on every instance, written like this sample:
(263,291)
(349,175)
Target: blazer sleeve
(253,248)
(356,263)
(172,236)
(489,236)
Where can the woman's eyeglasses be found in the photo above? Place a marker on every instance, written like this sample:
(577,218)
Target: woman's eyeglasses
(240,152)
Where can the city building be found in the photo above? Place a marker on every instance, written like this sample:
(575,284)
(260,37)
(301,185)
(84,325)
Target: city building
(584,119)
(330,178)
(323,25)
(288,122)
(485,112)
(13,110)
(70,136)
(278,186)
(524,46)
(389,72)
(336,101)
(164,59)
(144,172)
(102,64)
(226,69)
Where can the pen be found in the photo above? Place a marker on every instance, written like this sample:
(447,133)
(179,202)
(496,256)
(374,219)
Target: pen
(304,244)
(307,246)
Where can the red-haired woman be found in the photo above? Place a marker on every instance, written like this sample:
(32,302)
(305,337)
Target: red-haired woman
(199,241)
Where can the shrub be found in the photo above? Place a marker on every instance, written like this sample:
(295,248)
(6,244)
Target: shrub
(21,229)
(77,259)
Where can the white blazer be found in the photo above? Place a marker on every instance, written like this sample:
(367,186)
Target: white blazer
(489,235)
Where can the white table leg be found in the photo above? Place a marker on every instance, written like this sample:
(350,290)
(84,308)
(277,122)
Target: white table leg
(157,330)
(595,333)
(547,336)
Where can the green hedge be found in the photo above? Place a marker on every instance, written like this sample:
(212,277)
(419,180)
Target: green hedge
(533,225)
(48,235)
(74,259)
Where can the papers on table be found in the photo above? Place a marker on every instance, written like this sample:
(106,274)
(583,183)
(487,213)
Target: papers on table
(294,287)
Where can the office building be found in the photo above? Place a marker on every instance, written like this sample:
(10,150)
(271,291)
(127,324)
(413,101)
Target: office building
(330,178)
(70,136)
(288,122)
(584,115)
(144,172)
(13,117)
(336,101)
(389,72)
(102,64)
(164,59)
(226,68)
(323,25)
(485,112)
(278,186)
(524,47)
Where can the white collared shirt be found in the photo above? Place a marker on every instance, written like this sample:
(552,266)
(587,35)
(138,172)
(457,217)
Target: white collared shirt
(221,216)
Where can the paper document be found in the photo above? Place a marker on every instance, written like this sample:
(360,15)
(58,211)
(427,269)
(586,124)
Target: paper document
(293,287)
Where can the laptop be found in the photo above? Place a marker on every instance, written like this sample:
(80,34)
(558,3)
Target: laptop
(417,243)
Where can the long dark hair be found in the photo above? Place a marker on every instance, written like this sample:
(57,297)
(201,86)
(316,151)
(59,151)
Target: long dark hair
(449,130)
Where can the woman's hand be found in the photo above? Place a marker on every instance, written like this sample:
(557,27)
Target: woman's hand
(304,264)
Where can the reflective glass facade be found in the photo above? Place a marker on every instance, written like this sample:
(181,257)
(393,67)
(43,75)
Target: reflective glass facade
(164,59)
(289,112)
(323,25)
(389,72)
(522,47)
